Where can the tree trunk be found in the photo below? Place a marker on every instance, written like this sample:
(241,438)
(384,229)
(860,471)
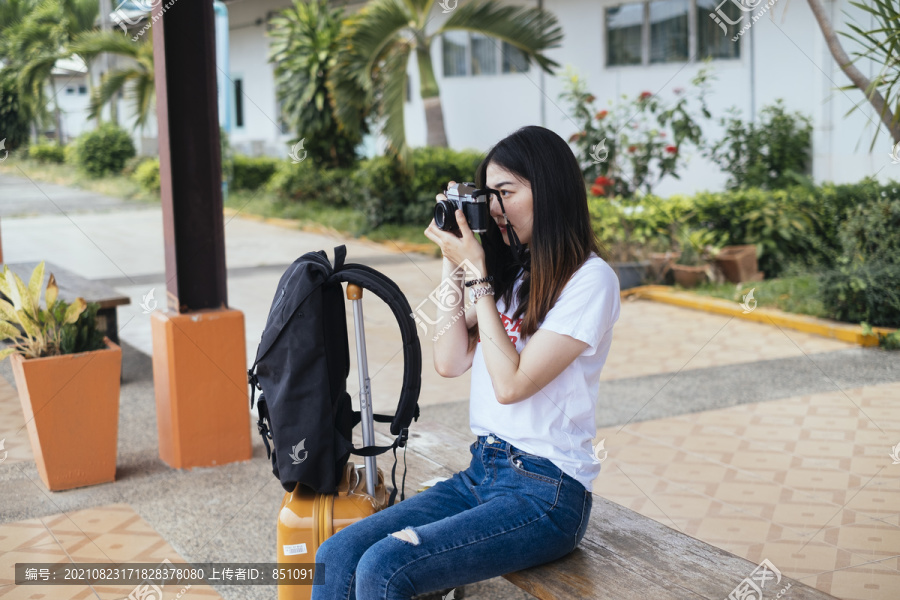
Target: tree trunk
(434,112)
(56,112)
(855,75)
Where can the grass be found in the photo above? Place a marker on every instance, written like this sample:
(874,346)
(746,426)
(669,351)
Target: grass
(797,294)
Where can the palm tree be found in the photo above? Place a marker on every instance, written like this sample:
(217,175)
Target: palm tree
(304,50)
(36,36)
(380,38)
(136,80)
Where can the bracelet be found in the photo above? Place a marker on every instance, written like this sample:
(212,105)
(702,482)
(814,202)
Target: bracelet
(487,279)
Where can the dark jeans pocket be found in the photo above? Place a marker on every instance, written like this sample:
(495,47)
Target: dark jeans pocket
(535,467)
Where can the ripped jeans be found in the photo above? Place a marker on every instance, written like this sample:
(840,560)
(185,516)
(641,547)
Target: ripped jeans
(509,510)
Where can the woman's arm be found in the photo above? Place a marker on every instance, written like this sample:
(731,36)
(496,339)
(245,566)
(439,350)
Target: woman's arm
(516,377)
(452,356)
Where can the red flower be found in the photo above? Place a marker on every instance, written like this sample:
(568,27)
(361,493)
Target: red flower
(632,149)
(678,91)
(645,95)
(604,181)
(602,114)
(671,149)
(662,134)
(576,136)
(590,98)
(598,190)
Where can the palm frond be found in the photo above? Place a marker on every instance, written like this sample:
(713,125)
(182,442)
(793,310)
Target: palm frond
(530,30)
(391,79)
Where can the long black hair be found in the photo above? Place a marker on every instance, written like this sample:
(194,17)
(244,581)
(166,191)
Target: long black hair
(561,236)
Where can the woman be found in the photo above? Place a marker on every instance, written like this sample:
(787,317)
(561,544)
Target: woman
(536,338)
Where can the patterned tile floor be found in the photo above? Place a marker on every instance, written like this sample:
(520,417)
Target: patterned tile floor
(107,533)
(807,483)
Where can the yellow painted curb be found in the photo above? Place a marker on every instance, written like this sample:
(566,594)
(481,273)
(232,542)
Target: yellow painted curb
(844,332)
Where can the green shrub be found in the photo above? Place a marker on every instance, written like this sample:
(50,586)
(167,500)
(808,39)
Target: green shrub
(252,173)
(391,195)
(771,154)
(863,291)
(47,151)
(15,112)
(103,150)
(865,283)
(305,182)
(147,175)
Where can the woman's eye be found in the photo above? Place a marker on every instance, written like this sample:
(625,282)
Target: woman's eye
(505,192)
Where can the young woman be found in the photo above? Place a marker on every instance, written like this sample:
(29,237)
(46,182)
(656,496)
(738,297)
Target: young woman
(536,338)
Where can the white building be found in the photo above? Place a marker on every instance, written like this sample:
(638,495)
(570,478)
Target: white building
(619,48)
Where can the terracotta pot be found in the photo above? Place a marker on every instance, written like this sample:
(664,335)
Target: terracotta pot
(738,263)
(661,264)
(687,276)
(71,406)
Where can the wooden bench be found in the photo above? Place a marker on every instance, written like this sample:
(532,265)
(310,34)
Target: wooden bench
(72,286)
(623,555)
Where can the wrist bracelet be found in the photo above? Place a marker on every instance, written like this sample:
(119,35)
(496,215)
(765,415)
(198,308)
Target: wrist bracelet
(487,279)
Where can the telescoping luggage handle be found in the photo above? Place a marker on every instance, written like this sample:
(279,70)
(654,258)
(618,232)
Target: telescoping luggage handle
(354,294)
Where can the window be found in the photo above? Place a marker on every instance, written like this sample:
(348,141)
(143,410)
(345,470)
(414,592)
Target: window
(477,54)
(668,31)
(70,90)
(711,40)
(663,31)
(238,102)
(82,90)
(454,47)
(514,60)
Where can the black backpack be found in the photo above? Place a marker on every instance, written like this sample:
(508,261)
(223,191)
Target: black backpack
(302,366)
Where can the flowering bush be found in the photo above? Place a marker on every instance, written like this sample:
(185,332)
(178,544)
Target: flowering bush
(628,144)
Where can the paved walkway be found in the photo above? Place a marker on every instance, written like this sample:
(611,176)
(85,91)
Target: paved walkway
(767,442)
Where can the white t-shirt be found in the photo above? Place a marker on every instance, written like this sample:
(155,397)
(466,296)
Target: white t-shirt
(558,422)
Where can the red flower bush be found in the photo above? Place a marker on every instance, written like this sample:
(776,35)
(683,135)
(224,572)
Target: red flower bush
(600,115)
(598,190)
(603,181)
(645,95)
(631,149)
(671,149)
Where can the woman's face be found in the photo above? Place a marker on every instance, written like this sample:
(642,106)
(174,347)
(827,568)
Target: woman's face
(517,201)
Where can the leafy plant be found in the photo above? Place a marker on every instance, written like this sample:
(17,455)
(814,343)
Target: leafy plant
(698,247)
(147,175)
(634,143)
(305,49)
(46,152)
(890,341)
(773,154)
(253,172)
(104,150)
(60,328)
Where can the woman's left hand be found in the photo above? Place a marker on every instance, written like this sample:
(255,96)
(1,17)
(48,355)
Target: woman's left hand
(458,248)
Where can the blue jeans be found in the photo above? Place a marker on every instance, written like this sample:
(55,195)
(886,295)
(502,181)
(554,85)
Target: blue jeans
(508,511)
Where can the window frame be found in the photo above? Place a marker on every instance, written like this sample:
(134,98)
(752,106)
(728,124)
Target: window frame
(498,55)
(693,39)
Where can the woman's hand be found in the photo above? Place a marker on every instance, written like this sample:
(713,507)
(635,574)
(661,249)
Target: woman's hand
(457,245)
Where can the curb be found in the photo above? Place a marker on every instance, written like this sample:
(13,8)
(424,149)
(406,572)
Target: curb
(844,332)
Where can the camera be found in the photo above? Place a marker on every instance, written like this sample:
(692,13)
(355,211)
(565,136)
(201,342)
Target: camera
(474,203)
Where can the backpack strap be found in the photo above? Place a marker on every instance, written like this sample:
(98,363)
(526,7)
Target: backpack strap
(383,287)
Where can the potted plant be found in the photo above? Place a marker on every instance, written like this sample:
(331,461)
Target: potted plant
(693,266)
(67,375)
(738,263)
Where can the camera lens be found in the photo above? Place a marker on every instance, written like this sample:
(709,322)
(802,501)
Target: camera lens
(444,215)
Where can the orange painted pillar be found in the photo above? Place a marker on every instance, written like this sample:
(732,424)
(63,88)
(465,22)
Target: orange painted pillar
(200,375)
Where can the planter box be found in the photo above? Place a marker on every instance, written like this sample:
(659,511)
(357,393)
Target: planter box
(738,263)
(631,274)
(687,276)
(71,407)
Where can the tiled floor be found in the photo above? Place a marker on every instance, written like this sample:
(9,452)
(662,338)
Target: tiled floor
(806,482)
(113,533)
(645,341)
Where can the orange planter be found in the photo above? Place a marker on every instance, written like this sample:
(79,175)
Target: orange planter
(71,406)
